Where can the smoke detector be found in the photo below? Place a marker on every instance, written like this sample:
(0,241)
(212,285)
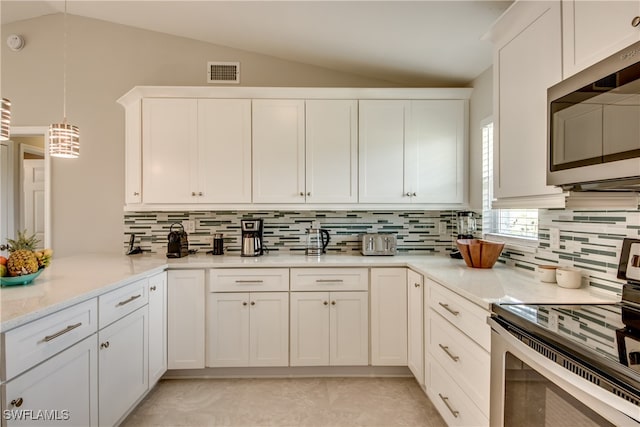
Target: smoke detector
(223,72)
(15,42)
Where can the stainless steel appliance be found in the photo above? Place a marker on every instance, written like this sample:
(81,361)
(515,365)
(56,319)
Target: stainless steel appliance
(178,243)
(317,241)
(218,244)
(252,240)
(594,127)
(555,364)
(379,244)
(466,226)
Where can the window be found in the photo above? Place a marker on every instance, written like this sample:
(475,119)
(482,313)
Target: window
(517,223)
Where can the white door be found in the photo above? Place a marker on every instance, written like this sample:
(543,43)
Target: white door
(381,151)
(349,329)
(388,316)
(185,319)
(33,198)
(278,151)
(169,150)
(157,327)
(7,203)
(66,383)
(224,150)
(331,151)
(269,329)
(593,30)
(123,375)
(415,291)
(309,329)
(228,329)
(434,151)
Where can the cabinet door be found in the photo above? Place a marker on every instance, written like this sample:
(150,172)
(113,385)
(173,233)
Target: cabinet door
(381,151)
(133,154)
(331,151)
(123,369)
(224,150)
(269,329)
(185,319)
(66,385)
(525,65)
(349,329)
(388,317)
(157,327)
(228,329)
(169,150)
(415,289)
(593,30)
(278,151)
(434,151)
(309,329)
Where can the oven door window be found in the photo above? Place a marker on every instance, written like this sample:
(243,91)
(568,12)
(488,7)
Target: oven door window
(532,400)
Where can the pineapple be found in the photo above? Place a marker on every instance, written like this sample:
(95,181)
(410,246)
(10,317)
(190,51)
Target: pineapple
(22,260)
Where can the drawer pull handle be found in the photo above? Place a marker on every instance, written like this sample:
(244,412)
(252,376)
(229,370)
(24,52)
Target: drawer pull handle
(127,301)
(17,402)
(449,309)
(104,344)
(635,21)
(448,405)
(329,281)
(62,332)
(249,281)
(446,350)
(153,288)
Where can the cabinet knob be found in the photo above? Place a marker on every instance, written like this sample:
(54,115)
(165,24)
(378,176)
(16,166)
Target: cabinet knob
(414,194)
(635,21)
(200,193)
(153,288)
(326,303)
(193,193)
(302,194)
(17,402)
(244,303)
(309,193)
(104,344)
(333,303)
(135,193)
(253,303)
(408,194)
(417,285)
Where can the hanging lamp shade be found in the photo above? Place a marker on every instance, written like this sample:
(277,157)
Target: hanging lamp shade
(64,140)
(5,119)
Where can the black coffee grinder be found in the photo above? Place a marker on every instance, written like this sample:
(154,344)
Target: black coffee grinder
(466,224)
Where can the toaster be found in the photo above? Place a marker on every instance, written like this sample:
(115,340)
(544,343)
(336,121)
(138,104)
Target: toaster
(378,244)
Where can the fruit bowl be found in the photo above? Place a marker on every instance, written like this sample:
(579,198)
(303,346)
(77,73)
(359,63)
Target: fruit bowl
(25,279)
(479,253)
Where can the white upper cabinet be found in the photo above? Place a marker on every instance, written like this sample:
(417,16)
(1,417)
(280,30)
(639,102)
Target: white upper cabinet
(593,30)
(278,151)
(412,151)
(331,151)
(196,150)
(527,60)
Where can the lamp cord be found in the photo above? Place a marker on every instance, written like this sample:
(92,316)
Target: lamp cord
(64,67)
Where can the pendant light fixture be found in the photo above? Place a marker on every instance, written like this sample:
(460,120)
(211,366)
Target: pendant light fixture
(5,119)
(64,139)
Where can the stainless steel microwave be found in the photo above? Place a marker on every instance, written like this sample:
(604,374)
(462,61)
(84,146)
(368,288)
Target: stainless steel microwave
(593,126)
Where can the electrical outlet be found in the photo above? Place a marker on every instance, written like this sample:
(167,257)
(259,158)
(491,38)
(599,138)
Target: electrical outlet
(442,228)
(554,238)
(189,226)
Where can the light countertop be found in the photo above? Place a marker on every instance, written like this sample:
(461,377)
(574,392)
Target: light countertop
(74,279)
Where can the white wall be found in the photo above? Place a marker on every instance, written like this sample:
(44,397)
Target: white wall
(104,61)
(481,108)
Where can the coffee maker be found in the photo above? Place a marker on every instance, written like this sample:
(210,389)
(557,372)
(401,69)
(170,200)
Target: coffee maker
(252,240)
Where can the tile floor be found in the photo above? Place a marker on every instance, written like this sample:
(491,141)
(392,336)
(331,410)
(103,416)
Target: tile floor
(331,402)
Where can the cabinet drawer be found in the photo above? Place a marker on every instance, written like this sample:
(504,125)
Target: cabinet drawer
(467,362)
(329,279)
(248,279)
(122,301)
(34,342)
(462,313)
(454,406)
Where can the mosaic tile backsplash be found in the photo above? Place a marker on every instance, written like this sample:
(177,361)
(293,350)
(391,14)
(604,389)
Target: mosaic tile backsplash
(589,240)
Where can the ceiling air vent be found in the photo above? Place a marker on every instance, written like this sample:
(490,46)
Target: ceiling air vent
(223,72)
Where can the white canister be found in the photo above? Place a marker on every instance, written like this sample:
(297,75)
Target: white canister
(547,273)
(568,277)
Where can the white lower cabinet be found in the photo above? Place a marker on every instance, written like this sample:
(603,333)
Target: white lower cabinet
(247,329)
(64,387)
(388,316)
(415,328)
(185,319)
(157,327)
(329,329)
(122,366)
